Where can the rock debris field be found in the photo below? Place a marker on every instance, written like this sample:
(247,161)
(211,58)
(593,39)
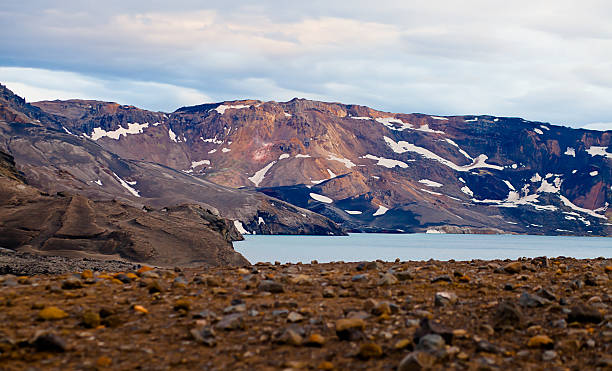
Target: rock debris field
(541,313)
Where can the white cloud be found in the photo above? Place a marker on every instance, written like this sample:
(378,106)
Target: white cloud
(40,84)
(546,61)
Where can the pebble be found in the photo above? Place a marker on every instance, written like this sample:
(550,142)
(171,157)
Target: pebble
(507,315)
(48,342)
(532,301)
(315,340)
(431,343)
(52,313)
(584,314)
(549,355)
(231,322)
(443,278)
(294,317)
(512,268)
(204,335)
(444,298)
(369,350)
(72,283)
(140,309)
(91,319)
(387,279)
(416,361)
(271,286)
(350,329)
(540,341)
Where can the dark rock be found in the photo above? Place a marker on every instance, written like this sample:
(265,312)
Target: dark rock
(431,343)
(443,278)
(359,277)
(271,286)
(123,278)
(416,361)
(433,327)
(204,335)
(72,283)
(444,298)
(485,346)
(231,322)
(584,314)
(507,315)
(546,294)
(532,301)
(49,342)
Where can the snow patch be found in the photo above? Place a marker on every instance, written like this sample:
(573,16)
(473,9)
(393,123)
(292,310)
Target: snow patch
(302,156)
(353,212)
(431,192)
(283,156)
(212,151)
(570,152)
(331,174)
(439,118)
(388,163)
(402,146)
(67,131)
(360,118)
(538,131)
(258,177)
(212,140)
(594,173)
(544,127)
(569,204)
(381,211)
(430,183)
(240,227)
(321,198)
(348,163)
(509,185)
(125,185)
(133,128)
(224,107)
(199,163)
(450,141)
(598,151)
(225,150)
(98,182)
(260,220)
(172,136)
(394,124)
(434,231)
(467,191)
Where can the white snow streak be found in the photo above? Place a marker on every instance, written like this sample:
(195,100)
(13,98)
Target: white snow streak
(381,211)
(133,128)
(353,212)
(199,163)
(125,185)
(321,198)
(240,227)
(430,183)
(348,163)
(259,175)
(570,152)
(598,151)
(224,107)
(388,163)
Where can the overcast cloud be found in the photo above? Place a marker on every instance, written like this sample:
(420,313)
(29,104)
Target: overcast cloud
(541,60)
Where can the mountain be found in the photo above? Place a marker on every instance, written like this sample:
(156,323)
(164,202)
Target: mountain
(73,225)
(53,159)
(370,170)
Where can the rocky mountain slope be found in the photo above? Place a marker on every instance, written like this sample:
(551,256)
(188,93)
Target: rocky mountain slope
(370,170)
(74,225)
(54,159)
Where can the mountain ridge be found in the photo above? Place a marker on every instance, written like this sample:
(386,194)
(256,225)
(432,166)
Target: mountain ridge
(401,162)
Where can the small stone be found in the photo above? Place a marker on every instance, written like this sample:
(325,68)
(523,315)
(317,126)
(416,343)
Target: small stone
(608,269)
(350,329)
(123,278)
(294,317)
(204,335)
(540,341)
(48,342)
(328,292)
(52,313)
(104,361)
(443,278)
(431,343)
(428,326)
(182,304)
(369,350)
(140,309)
(325,365)
(402,344)
(359,277)
(444,298)
(387,279)
(532,301)
(416,361)
(315,340)
(271,286)
(487,347)
(404,275)
(238,308)
(72,283)
(291,336)
(90,319)
(507,315)
(87,275)
(549,355)
(546,294)
(154,286)
(584,314)
(231,322)
(514,267)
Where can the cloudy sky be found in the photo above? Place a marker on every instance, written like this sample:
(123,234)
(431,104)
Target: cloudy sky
(541,60)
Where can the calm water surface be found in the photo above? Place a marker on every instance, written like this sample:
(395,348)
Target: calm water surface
(371,246)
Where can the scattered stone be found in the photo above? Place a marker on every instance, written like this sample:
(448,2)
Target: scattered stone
(540,341)
(359,277)
(291,336)
(387,279)
(532,301)
(428,326)
(271,286)
(141,309)
(404,275)
(52,313)
(584,314)
(416,361)
(507,316)
(369,350)
(204,335)
(231,322)
(431,343)
(443,278)
(48,342)
(315,340)
(103,361)
(445,298)
(91,319)
(183,304)
(328,292)
(513,268)
(487,347)
(549,355)
(72,283)
(294,317)
(350,329)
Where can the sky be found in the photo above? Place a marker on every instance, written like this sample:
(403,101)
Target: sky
(541,60)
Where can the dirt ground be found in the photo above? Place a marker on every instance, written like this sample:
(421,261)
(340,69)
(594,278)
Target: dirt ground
(541,314)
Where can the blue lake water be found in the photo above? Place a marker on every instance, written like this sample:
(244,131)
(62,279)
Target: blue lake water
(388,247)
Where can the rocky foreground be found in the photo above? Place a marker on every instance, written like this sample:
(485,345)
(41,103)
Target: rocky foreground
(528,314)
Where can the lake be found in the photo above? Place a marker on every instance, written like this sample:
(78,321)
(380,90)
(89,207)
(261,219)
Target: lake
(420,246)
